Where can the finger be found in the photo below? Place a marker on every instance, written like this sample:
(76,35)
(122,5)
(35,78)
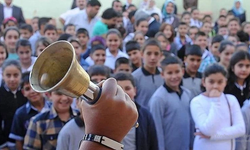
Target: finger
(101,83)
(120,94)
(109,88)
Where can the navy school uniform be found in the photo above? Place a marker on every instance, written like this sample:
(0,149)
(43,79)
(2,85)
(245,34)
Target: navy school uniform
(171,113)
(22,117)
(9,103)
(146,85)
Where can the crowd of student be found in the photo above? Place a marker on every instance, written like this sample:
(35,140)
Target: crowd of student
(188,76)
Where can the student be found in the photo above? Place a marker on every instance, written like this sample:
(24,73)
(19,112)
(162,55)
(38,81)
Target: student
(165,45)
(207,57)
(44,128)
(186,17)
(26,31)
(34,24)
(243,38)
(173,100)
(141,25)
(133,51)
(233,26)
(234,39)
(182,38)
(130,24)
(119,20)
(208,18)
(246,28)
(23,50)
(193,30)
(192,78)
(98,73)
(11,36)
(107,22)
(217,116)
(83,36)
(71,134)
(226,51)
(223,30)
(156,16)
(113,40)
(148,74)
(195,14)
(242,47)
(139,37)
(98,54)
(9,22)
(70,29)
(206,28)
(41,44)
(222,21)
(36,104)
(239,76)
(50,32)
(169,32)
(138,138)
(11,98)
(215,44)
(3,57)
(123,64)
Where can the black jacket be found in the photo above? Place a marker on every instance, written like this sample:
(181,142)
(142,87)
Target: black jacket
(153,28)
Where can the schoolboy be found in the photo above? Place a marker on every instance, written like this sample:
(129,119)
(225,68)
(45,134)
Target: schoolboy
(148,74)
(83,35)
(123,64)
(44,128)
(26,31)
(206,28)
(233,26)
(70,29)
(215,44)
(207,57)
(192,78)
(97,55)
(222,21)
(169,107)
(98,73)
(36,104)
(182,37)
(223,30)
(138,138)
(50,32)
(133,51)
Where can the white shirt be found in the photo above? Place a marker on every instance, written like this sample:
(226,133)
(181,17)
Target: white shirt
(196,23)
(80,20)
(212,117)
(7,11)
(110,59)
(68,14)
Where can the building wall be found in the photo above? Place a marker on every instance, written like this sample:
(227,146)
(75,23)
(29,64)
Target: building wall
(54,8)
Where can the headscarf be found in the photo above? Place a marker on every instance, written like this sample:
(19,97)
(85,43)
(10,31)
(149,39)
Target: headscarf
(240,10)
(164,12)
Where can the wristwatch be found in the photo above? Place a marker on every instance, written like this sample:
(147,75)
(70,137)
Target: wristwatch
(103,140)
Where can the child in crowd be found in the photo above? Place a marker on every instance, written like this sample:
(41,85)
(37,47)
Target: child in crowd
(131,22)
(165,45)
(139,37)
(70,29)
(233,26)
(195,14)
(36,104)
(83,36)
(133,51)
(41,44)
(182,38)
(11,36)
(3,57)
(26,31)
(226,51)
(98,54)
(148,74)
(239,76)
(113,40)
(169,32)
(242,47)
(234,39)
(206,28)
(9,22)
(207,56)
(220,22)
(11,98)
(50,32)
(186,17)
(217,116)
(214,46)
(138,138)
(192,78)
(246,28)
(123,64)
(34,24)
(98,73)
(23,50)
(172,99)
(223,30)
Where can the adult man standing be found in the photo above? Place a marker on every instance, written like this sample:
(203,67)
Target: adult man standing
(65,17)
(7,10)
(86,18)
(117,6)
